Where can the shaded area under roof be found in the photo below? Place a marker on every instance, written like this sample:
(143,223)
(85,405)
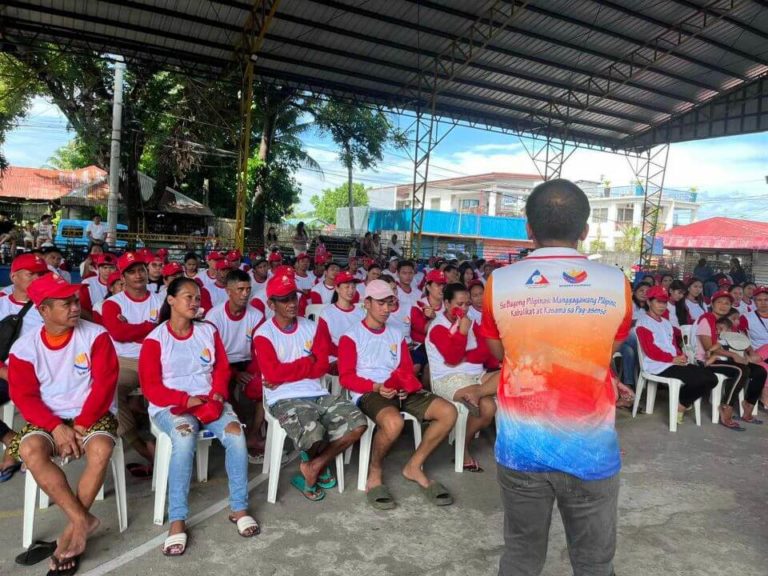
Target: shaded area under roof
(617,74)
(717,234)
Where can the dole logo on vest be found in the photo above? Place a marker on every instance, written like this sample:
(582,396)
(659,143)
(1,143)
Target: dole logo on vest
(537,279)
(82,362)
(205,356)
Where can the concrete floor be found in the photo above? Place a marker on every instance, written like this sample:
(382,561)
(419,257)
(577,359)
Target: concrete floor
(691,503)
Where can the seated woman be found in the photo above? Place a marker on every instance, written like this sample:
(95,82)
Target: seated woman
(741,368)
(694,299)
(628,348)
(678,310)
(337,318)
(184,374)
(457,354)
(737,293)
(422,314)
(663,356)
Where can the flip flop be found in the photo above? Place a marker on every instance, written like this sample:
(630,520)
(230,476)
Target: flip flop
(75,561)
(36,553)
(473,466)
(326,480)
(734,426)
(437,494)
(139,470)
(7,473)
(380,498)
(752,420)
(246,523)
(312,493)
(179,540)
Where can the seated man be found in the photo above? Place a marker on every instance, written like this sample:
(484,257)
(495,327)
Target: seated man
(293,365)
(63,381)
(375,365)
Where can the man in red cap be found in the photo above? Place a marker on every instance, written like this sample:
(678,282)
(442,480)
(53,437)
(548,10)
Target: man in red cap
(218,289)
(170,273)
(128,317)
(94,288)
(293,365)
(63,380)
(259,275)
(209,278)
(24,270)
(319,269)
(155,263)
(304,280)
(275,259)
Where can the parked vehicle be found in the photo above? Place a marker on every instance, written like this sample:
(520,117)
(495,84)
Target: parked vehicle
(71,234)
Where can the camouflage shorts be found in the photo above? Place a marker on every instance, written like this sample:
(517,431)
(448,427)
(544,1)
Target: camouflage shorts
(104,426)
(307,421)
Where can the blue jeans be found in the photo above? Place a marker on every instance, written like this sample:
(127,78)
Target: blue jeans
(628,352)
(183,431)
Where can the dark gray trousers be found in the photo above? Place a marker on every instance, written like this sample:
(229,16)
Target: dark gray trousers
(588,510)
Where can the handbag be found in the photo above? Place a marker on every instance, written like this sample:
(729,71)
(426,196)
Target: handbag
(10,330)
(736,341)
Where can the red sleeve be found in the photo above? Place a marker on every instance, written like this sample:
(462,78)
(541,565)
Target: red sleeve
(481,353)
(104,371)
(151,378)
(645,339)
(315,298)
(403,378)
(325,334)
(85,298)
(276,372)
(347,363)
(221,370)
(24,388)
(743,324)
(303,302)
(452,347)
(418,324)
(356,298)
(626,323)
(205,299)
(321,352)
(123,331)
(259,305)
(488,328)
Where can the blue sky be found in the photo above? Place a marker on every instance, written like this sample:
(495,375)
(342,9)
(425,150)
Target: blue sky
(730,173)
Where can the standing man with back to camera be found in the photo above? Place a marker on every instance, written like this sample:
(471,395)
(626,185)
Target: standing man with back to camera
(555,319)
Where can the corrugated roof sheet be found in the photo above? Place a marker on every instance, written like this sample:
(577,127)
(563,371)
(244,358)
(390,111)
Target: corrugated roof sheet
(623,73)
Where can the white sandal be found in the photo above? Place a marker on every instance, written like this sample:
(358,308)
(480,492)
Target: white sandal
(244,524)
(179,540)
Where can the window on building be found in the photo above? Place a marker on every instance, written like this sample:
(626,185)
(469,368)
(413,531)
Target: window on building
(599,215)
(626,214)
(470,203)
(434,203)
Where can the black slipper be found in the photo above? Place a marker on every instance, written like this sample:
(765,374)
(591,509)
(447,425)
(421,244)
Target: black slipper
(38,552)
(57,571)
(139,470)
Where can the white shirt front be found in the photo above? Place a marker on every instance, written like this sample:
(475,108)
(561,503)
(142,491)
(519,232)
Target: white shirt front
(695,310)
(9,305)
(96,290)
(408,298)
(218,294)
(437,365)
(663,338)
(325,293)
(378,353)
(134,312)
(758,329)
(97,230)
(400,319)
(236,333)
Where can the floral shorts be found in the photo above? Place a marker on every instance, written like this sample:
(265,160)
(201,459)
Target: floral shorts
(104,426)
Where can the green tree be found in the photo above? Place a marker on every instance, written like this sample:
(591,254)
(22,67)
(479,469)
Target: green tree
(333,198)
(17,88)
(630,239)
(597,245)
(73,155)
(362,134)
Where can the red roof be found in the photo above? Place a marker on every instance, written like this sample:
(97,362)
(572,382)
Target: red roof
(718,233)
(42,185)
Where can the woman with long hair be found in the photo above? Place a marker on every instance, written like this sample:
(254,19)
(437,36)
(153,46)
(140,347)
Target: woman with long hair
(184,374)
(337,318)
(426,309)
(466,274)
(694,299)
(300,240)
(678,311)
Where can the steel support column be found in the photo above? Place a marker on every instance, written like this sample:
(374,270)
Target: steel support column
(649,169)
(253,37)
(548,154)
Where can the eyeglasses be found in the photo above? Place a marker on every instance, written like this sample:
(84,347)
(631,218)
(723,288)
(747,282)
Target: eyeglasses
(285,299)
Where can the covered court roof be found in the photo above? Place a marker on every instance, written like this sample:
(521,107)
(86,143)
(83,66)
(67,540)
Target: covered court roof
(718,234)
(618,74)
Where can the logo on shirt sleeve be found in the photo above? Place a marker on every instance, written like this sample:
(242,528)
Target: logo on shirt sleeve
(82,362)
(205,356)
(575,276)
(308,347)
(153,315)
(537,279)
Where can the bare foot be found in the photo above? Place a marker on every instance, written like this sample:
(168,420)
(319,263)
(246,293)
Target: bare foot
(374,478)
(79,536)
(415,474)
(310,472)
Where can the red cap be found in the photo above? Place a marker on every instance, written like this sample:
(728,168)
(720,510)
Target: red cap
(275,257)
(436,276)
(720,294)
(657,293)
(724,283)
(171,269)
(322,258)
(761,290)
(233,255)
(475,282)
(127,260)
(29,262)
(285,269)
(368,262)
(103,259)
(302,256)
(213,255)
(344,276)
(145,254)
(51,285)
(162,253)
(281,285)
(155,258)
(114,277)
(223,265)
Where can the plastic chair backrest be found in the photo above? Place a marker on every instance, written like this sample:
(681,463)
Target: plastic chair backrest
(690,341)
(313,311)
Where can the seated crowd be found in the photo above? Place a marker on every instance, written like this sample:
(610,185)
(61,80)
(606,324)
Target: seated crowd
(143,340)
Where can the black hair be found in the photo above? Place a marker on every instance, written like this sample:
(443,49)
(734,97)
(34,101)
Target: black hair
(643,305)
(236,275)
(173,289)
(557,210)
(665,275)
(732,286)
(388,278)
(702,262)
(52,249)
(725,321)
(733,311)
(700,297)
(405,264)
(452,289)
(681,309)
(191,256)
(449,267)
(749,283)
(463,268)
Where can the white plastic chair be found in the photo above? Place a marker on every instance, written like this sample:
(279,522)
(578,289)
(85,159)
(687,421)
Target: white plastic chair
(674,393)
(313,311)
(273,455)
(690,343)
(31,491)
(162,466)
(9,411)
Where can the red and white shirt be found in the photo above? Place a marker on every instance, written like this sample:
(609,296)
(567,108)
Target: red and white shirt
(757,328)
(9,305)
(368,357)
(92,291)
(400,319)
(292,360)
(743,307)
(75,380)
(141,318)
(218,294)
(305,282)
(236,331)
(321,294)
(451,352)
(475,315)
(408,297)
(334,322)
(695,310)
(419,322)
(173,368)
(658,342)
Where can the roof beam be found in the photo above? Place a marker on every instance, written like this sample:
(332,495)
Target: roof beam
(732,21)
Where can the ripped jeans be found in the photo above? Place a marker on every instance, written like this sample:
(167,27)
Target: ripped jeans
(183,432)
